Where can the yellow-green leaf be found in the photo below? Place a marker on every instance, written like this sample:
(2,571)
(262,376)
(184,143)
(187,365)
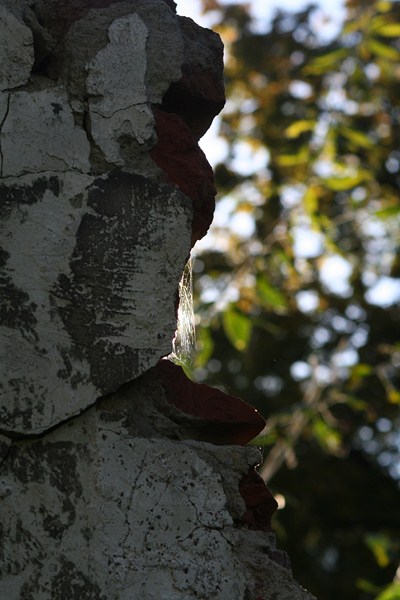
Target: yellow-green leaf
(387,213)
(362,370)
(384,6)
(266,439)
(310,200)
(357,137)
(355,403)
(389,30)
(394,396)
(377,22)
(327,437)
(292,160)
(390,593)
(341,184)
(299,127)
(366,586)
(380,545)
(351,27)
(383,50)
(237,327)
(326,61)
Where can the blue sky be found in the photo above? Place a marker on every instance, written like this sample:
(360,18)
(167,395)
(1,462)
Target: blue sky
(263,10)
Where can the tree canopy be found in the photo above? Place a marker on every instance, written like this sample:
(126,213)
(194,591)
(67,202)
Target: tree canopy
(297,296)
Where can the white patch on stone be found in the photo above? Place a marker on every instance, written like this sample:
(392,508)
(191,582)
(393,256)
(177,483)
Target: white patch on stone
(39,240)
(117,86)
(39,134)
(16,51)
(168,530)
(90,276)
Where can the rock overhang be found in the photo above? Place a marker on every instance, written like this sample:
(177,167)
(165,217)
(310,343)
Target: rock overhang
(92,125)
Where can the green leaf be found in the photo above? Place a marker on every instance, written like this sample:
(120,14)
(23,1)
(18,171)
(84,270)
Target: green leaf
(357,404)
(387,213)
(367,586)
(380,545)
(357,137)
(266,439)
(383,50)
(299,127)
(377,22)
(237,327)
(270,295)
(389,30)
(390,593)
(341,184)
(311,206)
(328,438)
(292,160)
(327,61)
(204,347)
(362,370)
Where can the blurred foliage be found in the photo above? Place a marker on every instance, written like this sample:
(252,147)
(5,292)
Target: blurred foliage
(293,296)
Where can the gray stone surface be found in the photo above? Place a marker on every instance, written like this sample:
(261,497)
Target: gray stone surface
(115,511)
(89,277)
(39,134)
(266,580)
(91,257)
(4,97)
(4,101)
(16,51)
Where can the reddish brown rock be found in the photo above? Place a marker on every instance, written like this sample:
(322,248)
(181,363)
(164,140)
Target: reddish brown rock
(200,94)
(260,503)
(198,97)
(224,419)
(187,111)
(178,154)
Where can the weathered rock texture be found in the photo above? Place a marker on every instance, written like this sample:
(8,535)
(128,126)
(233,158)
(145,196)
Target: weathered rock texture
(93,242)
(119,478)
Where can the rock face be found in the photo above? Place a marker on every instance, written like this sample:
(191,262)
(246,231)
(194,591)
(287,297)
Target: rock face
(119,478)
(91,270)
(93,242)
